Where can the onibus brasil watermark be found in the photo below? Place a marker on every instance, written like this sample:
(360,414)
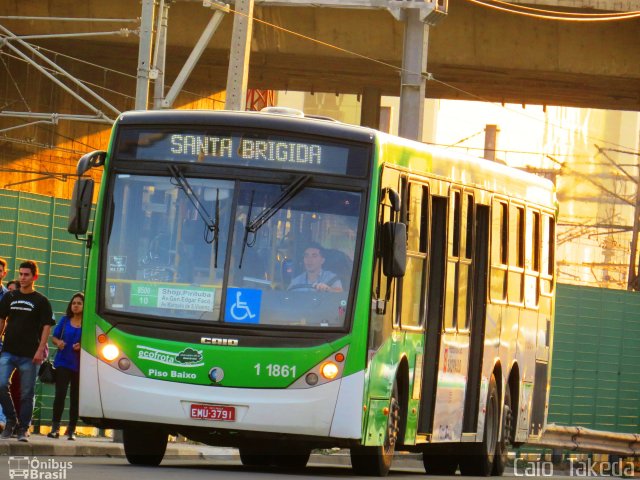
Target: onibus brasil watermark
(34,468)
(577,468)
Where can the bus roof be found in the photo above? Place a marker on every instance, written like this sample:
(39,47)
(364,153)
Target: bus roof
(412,155)
(259,120)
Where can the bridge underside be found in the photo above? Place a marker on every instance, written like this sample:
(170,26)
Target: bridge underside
(474,53)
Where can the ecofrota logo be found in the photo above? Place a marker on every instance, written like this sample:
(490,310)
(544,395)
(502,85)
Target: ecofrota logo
(37,469)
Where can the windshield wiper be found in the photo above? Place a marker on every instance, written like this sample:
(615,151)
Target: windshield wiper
(252,226)
(210,223)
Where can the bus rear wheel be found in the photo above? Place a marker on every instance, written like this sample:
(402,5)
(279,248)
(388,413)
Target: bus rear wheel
(480,458)
(376,461)
(144,445)
(502,447)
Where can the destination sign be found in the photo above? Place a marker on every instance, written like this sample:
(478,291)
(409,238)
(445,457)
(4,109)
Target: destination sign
(274,151)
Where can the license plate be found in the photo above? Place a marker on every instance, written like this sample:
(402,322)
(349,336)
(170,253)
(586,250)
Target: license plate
(219,413)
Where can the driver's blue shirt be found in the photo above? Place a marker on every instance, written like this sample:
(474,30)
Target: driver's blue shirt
(325,276)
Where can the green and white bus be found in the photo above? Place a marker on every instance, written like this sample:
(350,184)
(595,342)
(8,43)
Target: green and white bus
(280,283)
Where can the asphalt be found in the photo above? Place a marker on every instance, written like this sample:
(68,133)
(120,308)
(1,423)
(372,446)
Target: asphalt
(42,446)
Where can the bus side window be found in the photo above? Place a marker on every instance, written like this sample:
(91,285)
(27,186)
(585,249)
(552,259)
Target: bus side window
(516,254)
(548,254)
(532,259)
(453,259)
(413,292)
(499,250)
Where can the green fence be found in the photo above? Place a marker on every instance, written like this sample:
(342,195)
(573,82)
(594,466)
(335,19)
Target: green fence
(34,227)
(595,376)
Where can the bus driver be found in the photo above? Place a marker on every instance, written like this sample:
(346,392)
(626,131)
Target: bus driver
(314,277)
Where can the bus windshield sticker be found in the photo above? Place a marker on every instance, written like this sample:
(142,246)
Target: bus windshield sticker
(117,264)
(241,149)
(177,297)
(243,305)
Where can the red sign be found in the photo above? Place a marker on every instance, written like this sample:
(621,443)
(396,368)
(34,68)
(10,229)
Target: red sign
(219,413)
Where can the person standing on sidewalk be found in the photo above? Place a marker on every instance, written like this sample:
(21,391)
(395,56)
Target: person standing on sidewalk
(66,336)
(3,291)
(25,319)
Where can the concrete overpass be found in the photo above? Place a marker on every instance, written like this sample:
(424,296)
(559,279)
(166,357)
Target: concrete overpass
(475,52)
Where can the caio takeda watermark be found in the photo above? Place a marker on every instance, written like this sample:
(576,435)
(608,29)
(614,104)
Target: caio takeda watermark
(577,468)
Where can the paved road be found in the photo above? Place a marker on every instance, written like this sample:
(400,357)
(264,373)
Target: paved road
(204,468)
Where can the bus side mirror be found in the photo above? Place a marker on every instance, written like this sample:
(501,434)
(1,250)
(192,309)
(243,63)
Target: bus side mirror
(80,209)
(394,249)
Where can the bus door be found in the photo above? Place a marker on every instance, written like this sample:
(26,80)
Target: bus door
(455,344)
(435,309)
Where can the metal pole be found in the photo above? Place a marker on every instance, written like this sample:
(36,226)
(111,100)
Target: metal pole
(159,54)
(189,65)
(413,83)
(144,54)
(238,76)
(57,67)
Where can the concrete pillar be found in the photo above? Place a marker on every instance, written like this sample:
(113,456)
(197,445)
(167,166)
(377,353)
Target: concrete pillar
(370,112)
(413,83)
(490,141)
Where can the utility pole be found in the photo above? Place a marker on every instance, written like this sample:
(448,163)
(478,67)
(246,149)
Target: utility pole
(417,16)
(413,83)
(238,75)
(159,54)
(144,54)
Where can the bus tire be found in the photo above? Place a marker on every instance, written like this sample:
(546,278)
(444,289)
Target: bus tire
(502,447)
(255,457)
(144,445)
(479,460)
(376,461)
(440,464)
(295,458)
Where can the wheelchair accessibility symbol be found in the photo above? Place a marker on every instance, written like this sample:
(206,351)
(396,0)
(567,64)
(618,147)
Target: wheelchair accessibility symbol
(243,305)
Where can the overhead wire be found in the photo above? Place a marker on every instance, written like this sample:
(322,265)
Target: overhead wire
(428,76)
(610,18)
(570,14)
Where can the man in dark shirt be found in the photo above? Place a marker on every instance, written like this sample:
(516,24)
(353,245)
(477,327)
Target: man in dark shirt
(25,319)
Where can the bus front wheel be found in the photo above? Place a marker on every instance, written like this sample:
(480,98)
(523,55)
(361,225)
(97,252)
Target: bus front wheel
(376,461)
(144,445)
(480,458)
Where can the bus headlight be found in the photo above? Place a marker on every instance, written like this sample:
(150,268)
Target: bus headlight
(110,352)
(329,370)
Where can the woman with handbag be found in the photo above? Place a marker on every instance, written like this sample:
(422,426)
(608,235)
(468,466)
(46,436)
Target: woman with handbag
(66,336)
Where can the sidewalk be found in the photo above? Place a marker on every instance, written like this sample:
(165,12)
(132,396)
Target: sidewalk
(41,445)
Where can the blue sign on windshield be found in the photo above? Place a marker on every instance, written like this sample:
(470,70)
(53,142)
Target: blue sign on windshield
(243,305)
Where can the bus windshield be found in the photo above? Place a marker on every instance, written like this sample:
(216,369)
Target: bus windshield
(231,252)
